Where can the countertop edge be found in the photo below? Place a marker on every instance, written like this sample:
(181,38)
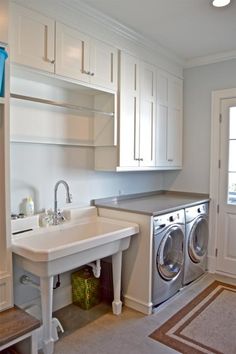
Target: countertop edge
(106,202)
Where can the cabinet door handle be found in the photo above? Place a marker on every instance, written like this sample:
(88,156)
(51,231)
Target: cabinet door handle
(141,159)
(86,72)
(170,160)
(52,61)
(91,74)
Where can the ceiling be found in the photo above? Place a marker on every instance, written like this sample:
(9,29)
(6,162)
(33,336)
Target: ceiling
(188,28)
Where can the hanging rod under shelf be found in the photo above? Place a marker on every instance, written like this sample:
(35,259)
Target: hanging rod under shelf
(61,104)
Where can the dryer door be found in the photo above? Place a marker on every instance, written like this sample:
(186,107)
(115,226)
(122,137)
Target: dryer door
(198,239)
(170,256)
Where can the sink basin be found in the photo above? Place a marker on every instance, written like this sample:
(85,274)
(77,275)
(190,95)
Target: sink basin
(62,240)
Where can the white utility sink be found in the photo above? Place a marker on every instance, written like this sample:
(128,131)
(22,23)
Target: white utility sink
(87,237)
(66,239)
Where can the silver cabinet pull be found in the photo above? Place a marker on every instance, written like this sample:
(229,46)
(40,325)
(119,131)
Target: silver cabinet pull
(52,61)
(170,160)
(91,74)
(86,72)
(138,159)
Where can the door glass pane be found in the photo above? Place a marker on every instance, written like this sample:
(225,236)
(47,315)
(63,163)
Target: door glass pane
(232,123)
(232,157)
(232,188)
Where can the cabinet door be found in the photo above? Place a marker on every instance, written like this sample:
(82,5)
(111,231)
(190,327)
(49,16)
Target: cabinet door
(103,64)
(4,11)
(169,121)
(175,122)
(72,53)
(147,114)
(32,39)
(129,111)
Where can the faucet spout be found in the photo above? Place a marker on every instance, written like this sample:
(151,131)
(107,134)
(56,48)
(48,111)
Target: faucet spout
(68,199)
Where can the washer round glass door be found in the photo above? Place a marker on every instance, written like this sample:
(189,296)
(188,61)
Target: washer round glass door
(198,239)
(170,256)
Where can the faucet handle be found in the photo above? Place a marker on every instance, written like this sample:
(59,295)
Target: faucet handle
(69,198)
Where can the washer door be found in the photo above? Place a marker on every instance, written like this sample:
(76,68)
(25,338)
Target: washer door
(198,239)
(170,256)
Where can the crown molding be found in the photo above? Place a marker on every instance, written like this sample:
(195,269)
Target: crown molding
(210,59)
(122,30)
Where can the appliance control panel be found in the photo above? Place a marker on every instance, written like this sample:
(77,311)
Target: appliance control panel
(165,220)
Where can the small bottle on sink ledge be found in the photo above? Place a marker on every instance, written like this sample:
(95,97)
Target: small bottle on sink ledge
(29,206)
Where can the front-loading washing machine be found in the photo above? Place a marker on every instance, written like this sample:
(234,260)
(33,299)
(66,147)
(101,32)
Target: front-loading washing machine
(168,255)
(196,241)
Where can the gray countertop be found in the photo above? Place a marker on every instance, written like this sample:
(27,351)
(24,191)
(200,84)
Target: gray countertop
(152,203)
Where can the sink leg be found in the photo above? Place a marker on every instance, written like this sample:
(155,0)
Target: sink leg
(46,287)
(116,271)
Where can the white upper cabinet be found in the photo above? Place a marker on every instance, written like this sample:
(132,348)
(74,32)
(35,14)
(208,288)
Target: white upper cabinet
(169,123)
(103,64)
(80,57)
(147,117)
(4,18)
(72,53)
(41,43)
(129,111)
(137,112)
(32,39)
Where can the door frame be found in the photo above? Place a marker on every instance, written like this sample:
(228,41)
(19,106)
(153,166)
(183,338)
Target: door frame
(216,100)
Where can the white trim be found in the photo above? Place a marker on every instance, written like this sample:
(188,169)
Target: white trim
(138,305)
(211,264)
(210,59)
(226,274)
(217,97)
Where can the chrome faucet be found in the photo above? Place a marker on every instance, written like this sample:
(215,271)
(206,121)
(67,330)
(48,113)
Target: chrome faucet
(57,218)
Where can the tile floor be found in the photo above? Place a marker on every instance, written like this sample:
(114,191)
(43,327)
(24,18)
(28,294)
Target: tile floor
(99,331)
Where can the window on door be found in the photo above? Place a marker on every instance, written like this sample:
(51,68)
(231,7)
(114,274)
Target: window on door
(232,155)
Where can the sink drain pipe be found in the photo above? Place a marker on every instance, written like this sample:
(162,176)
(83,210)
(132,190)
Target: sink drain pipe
(96,268)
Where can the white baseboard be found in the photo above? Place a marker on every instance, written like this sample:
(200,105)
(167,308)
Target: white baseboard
(137,305)
(211,264)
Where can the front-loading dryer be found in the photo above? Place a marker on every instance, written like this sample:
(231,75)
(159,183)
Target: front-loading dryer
(168,255)
(196,241)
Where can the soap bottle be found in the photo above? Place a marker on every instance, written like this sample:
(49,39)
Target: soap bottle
(29,207)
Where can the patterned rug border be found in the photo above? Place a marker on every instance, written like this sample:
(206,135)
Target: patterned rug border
(160,334)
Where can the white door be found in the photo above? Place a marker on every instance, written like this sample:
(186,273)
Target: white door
(32,39)
(226,238)
(103,64)
(147,114)
(72,53)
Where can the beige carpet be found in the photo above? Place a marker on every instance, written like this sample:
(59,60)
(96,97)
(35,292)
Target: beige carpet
(207,324)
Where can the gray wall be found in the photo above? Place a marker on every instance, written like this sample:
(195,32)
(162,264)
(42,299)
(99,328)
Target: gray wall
(35,168)
(199,82)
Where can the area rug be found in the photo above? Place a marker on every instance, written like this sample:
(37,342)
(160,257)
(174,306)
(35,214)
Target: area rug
(207,324)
